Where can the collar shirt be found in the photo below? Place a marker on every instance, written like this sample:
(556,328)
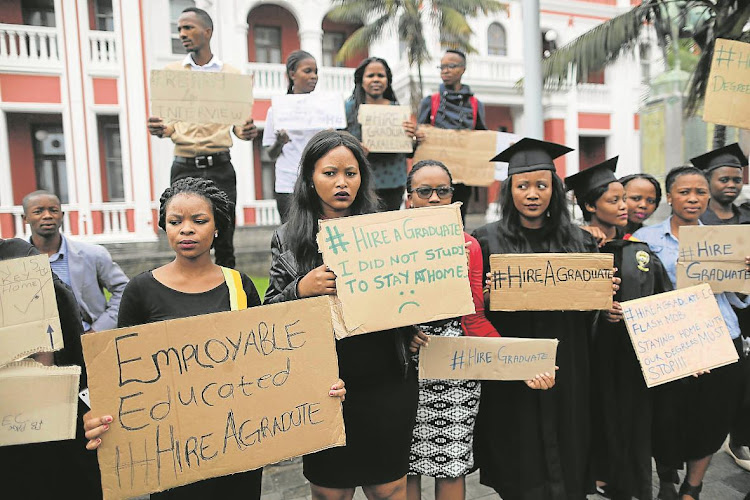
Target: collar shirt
(666,246)
(213,66)
(58,261)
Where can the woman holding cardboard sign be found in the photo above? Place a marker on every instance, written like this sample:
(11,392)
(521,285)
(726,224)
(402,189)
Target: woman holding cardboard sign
(372,85)
(444,431)
(621,402)
(335,181)
(192,212)
(535,444)
(692,416)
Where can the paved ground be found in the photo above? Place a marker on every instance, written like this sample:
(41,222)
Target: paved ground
(724,481)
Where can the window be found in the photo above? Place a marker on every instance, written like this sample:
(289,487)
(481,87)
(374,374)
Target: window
(104,15)
(268,44)
(591,151)
(175,9)
(38,12)
(645,56)
(49,159)
(496,40)
(332,43)
(111,159)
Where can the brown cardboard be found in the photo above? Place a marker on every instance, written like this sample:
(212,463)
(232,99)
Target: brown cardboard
(37,403)
(677,334)
(714,255)
(398,268)
(201,97)
(382,130)
(486,358)
(29,321)
(728,87)
(551,282)
(466,153)
(257,378)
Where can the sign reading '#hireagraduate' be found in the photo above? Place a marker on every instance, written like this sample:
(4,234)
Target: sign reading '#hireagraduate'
(382,128)
(29,321)
(714,255)
(677,334)
(398,268)
(213,395)
(551,282)
(201,97)
(728,86)
(486,358)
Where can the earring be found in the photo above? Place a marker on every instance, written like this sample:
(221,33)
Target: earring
(216,234)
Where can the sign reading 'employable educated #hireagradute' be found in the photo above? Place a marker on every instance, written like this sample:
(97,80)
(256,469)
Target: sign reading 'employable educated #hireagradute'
(714,255)
(678,333)
(551,282)
(728,86)
(398,268)
(207,396)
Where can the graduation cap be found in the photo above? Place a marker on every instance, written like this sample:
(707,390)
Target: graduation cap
(528,155)
(728,156)
(586,181)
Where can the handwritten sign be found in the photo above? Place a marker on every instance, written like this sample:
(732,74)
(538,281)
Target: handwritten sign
(37,403)
(212,395)
(201,97)
(317,110)
(382,131)
(29,321)
(486,358)
(398,268)
(466,153)
(728,87)
(677,334)
(551,282)
(714,255)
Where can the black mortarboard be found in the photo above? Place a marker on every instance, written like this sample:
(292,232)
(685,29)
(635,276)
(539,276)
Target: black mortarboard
(728,156)
(528,155)
(586,181)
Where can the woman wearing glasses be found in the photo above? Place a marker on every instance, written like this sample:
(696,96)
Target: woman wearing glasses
(443,433)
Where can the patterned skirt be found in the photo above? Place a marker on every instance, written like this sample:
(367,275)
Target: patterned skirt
(441,445)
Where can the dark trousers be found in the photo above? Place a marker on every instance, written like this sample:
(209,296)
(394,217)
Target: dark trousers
(223,175)
(462,193)
(390,199)
(283,202)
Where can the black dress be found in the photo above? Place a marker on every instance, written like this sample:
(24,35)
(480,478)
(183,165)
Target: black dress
(381,398)
(621,402)
(530,444)
(146,300)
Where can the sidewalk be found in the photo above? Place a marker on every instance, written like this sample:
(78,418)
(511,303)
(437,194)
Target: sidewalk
(724,481)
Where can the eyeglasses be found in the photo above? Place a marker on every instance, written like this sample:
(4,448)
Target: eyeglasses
(450,66)
(425,192)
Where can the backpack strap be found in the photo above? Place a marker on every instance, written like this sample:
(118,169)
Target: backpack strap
(237,295)
(474,110)
(435,104)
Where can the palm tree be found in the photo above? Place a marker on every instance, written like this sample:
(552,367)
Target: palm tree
(411,16)
(702,20)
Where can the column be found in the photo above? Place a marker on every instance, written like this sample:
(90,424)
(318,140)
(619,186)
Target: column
(6,182)
(311,40)
(532,82)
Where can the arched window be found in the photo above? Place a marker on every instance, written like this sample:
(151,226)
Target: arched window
(496,40)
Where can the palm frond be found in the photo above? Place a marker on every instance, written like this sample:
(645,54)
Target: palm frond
(362,38)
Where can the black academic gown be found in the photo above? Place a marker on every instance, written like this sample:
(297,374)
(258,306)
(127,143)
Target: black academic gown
(532,444)
(621,403)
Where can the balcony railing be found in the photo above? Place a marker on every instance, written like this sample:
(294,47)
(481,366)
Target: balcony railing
(24,48)
(270,79)
(103,53)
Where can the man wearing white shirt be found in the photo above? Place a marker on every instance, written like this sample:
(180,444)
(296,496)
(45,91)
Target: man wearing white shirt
(202,149)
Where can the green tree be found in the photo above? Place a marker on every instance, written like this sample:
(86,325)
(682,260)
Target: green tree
(703,21)
(410,17)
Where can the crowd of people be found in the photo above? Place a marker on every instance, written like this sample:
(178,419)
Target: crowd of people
(591,426)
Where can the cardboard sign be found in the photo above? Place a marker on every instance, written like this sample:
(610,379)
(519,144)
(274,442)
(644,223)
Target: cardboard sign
(551,282)
(29,321)
(677,334)
(212,395)
(486,358)
(201,97)
(728,86)
(382,131)
(466,153)
(714,255)
(317,110)
(38,403)
(398,268)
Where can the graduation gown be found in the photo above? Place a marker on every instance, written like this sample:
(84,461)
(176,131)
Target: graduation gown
(621,403)
(532,444)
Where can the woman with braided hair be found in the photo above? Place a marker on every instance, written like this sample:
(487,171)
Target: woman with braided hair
(193,212)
